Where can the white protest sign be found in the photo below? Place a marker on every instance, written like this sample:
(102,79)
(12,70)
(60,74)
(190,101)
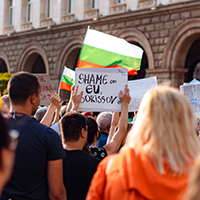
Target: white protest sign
(192,92)
(46,88)
(137,90)
(101,87)
(194,81)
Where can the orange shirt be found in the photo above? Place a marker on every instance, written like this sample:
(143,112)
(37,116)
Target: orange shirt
(133,176)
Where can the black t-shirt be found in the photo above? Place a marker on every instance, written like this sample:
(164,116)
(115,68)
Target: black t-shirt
(98,152)
(37,145)
(78,170)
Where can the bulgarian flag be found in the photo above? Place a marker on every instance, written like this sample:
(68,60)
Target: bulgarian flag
(101,50)
(67,79)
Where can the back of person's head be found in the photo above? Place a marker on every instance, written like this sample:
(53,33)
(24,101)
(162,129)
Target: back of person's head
(104,120)
(40,113)
(71,126)
(165,125)
(92,129)
(193,191)
(21,86)
(5,99)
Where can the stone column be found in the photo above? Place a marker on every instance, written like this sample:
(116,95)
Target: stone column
(17,15)
(36,13)
(168,76)
(2,15)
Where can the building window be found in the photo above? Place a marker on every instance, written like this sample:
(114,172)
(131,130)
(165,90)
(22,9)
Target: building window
(94,4)
(11,12)
(29,10)
(70,6)
(49,8)
(120,1)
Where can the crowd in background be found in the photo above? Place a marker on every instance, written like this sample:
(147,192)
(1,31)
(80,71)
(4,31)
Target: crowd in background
(58,152)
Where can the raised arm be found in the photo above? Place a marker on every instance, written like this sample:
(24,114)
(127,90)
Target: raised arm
(57,114)
(48,117)
(114,123)
(118,137)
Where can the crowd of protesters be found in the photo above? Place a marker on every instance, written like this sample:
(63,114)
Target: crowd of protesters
(58,152)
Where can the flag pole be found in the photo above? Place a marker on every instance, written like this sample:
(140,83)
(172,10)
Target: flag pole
(60,82)
(59,92)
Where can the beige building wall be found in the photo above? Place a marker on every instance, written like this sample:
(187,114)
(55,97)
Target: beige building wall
(1,16)
(59,9)
(79,10)
(131,4)
(169,35)
(17,15)
(56,11)
(104,7)
(36,13)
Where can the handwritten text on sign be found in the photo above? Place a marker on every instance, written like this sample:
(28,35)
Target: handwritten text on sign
(46,88)
(101,88)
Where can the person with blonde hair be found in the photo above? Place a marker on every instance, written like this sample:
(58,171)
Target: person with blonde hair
(193,192)
(158,154)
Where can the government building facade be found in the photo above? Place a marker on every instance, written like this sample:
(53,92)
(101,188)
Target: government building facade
(43,36)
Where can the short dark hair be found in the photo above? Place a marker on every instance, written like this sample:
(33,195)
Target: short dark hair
(71,125)
(92,129)
(21,86)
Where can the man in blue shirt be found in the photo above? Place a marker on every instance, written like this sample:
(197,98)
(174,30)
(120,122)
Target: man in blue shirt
(104,122)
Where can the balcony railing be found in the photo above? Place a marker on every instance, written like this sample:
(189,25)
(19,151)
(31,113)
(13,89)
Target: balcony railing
(67,18)
(94,13)
(118,8)
(27,26)
(46,22)
(9,29)
(146,3)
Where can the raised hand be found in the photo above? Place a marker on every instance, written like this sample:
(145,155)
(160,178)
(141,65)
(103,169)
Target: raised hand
(76,99)
(55,99)
(125,98)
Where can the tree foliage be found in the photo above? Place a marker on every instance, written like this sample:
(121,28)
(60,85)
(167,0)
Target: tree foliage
(4,78)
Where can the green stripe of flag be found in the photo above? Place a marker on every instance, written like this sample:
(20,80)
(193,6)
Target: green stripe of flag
(68,80)
(107,58)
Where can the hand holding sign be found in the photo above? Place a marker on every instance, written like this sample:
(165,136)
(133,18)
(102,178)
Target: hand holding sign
(76,99)
(101,88)
(125,98)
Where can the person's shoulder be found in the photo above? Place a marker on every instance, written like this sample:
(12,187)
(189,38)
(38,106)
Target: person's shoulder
(127,155)
(42,128)
(25,122)
(88,158)
(97,160)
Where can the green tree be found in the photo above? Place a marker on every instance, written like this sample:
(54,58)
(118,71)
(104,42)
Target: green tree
(4,78)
